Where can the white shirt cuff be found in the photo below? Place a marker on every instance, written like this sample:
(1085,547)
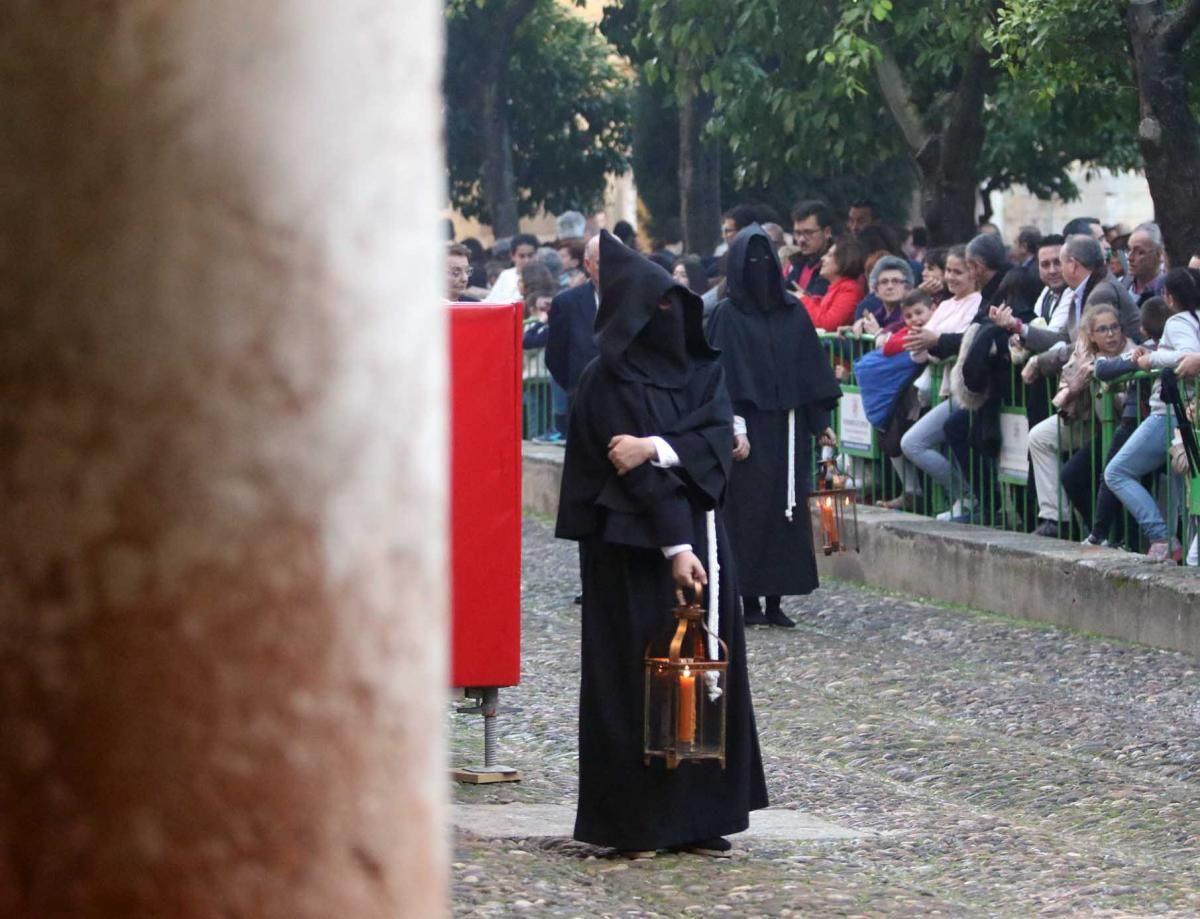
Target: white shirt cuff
(739,425)
(667,457)
(672,551)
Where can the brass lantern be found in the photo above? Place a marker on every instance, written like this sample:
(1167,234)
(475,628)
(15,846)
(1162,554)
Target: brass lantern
(834,509)
(685,691)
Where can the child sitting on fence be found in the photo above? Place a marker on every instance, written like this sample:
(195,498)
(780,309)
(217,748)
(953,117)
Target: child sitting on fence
(886,376)
(1082,476)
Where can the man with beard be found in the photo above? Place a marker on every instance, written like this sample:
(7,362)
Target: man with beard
(647,460)
(783,390)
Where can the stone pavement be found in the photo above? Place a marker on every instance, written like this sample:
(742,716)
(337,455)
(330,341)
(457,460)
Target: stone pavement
(921,761)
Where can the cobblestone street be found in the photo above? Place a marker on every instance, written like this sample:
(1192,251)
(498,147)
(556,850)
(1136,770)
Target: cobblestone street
(987,766)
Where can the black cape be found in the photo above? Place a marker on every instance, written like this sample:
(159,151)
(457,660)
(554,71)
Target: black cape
(656,375)
(773,364)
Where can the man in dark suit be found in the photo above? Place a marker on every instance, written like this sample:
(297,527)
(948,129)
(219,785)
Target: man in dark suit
(569,343)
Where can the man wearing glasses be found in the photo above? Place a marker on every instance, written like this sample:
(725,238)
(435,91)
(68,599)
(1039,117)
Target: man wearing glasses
(1145,252)
(812,227)
(458,273)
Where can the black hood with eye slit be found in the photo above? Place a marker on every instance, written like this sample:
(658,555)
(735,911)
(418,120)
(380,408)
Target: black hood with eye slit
(769,348)
(636,339)
(755,284)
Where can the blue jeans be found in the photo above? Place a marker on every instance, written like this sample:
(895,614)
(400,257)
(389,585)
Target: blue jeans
(920,446)
(1145,452)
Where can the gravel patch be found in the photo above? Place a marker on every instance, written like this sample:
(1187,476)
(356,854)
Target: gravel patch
(1001,768)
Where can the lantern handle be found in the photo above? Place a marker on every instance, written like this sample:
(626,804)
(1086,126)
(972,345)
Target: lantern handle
(698,590)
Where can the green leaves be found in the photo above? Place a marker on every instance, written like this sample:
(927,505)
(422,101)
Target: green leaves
(569,108)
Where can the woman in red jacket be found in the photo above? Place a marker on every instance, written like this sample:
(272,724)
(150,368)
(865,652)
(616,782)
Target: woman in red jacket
(842,267)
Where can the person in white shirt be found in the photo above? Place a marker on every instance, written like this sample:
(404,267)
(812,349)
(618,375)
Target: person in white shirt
(1146,450)
(506,288)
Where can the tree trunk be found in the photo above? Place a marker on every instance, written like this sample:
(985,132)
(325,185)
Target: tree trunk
(948,201)
(699,175)
(950,186)
(499,182)
(947,160)
(499,20)
(1168,135)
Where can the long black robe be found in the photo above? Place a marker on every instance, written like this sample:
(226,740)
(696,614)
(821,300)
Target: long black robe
(628,593)
(773,364)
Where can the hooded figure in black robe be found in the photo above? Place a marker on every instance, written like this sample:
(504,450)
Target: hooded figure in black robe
(655,376)
(774,368)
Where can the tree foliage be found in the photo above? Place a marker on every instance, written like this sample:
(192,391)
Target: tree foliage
(568,107)
(1142,55)
(810,88)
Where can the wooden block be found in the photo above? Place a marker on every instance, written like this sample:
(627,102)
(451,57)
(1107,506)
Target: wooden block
(486,776)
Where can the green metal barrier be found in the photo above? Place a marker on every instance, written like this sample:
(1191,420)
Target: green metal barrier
(1003,485)
(537,401)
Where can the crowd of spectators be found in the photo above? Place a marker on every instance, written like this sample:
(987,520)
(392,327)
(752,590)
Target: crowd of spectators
(945,339)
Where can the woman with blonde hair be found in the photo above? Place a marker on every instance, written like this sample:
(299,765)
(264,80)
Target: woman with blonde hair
(1070,428)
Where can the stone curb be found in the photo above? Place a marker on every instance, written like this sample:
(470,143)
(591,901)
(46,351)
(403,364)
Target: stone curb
(1103,591)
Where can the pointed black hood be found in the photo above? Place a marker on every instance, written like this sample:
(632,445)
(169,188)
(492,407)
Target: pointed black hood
(753,276)
(772,356)
(638,339)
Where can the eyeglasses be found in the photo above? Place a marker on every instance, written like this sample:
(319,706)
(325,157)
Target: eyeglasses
(1107,329)
(883,281)
(805,234)
(459,272)
(1137,251)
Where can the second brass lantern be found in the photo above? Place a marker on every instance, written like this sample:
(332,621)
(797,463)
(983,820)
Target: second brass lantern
(834,508)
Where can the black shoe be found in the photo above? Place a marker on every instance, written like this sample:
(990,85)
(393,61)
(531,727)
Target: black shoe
(578,601)
(755,617)
(717,847)
(777,617)
(1047,528)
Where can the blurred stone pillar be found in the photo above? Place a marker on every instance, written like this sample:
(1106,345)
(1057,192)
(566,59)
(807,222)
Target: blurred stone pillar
(222,460)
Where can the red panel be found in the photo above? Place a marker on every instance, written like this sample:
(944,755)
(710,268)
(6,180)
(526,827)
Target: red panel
(485,494)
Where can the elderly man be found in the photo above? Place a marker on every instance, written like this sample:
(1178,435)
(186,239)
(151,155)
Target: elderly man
(1145,254)
(988,264)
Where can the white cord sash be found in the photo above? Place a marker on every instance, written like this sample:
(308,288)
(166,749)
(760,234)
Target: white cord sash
(714,603)
(791,470)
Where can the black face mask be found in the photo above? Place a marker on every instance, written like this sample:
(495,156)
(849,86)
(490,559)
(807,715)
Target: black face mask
(660,349)
(761,280)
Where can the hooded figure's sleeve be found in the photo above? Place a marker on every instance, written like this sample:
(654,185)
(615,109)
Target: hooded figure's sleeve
(703,438)
(649,507)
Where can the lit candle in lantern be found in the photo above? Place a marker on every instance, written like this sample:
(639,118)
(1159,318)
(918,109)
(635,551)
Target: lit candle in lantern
(828,523)
(686,729)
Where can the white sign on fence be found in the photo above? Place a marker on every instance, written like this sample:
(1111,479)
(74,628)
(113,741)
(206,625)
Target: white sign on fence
(856,432)
(1014,448)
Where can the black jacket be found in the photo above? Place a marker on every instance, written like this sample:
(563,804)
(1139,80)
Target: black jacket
(570,345)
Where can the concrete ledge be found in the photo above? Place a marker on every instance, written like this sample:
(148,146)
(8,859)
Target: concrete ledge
(1048,580)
